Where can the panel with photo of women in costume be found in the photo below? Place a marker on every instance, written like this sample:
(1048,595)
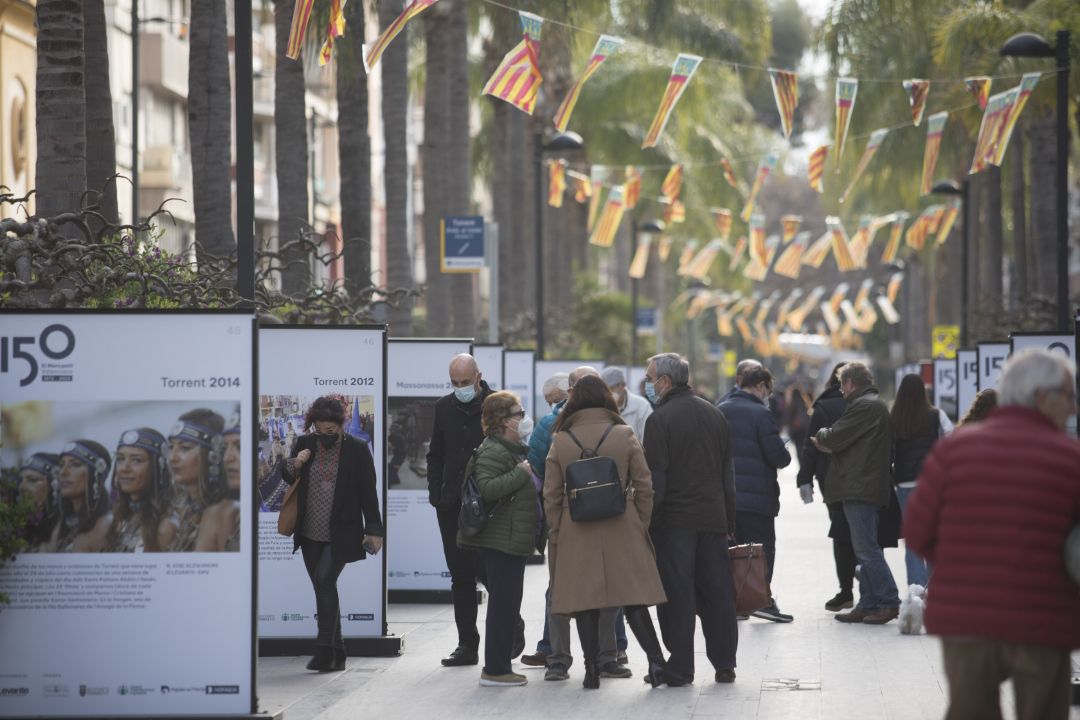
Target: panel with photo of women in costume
(126,477)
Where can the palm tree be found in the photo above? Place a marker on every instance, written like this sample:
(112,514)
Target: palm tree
(291,149)
(458,168)
(100,133)
(61,107)
(354,152)
(435,157)
(210,127)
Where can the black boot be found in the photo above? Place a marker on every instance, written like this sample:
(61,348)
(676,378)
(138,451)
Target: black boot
(339,659)
(588,626)
(323,660)
(641,625)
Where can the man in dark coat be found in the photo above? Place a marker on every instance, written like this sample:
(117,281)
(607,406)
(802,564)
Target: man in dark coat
(758,453)
(688,448)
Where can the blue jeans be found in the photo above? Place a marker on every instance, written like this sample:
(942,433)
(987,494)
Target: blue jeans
(918,570)
(877,589)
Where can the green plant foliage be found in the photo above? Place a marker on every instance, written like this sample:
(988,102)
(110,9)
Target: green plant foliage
(16,516)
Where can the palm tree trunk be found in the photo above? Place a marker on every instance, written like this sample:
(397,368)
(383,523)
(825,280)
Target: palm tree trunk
(100,133)
(354,153)
(291,151)
(1019,211)
(210,128)
(61,107)
(395,106)
(1043,159)
(992,253)
(458,165)
(977,196)
(436,123)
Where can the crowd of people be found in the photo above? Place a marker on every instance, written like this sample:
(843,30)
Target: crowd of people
(154,493)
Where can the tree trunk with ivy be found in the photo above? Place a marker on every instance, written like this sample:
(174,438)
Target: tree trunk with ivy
(290,150)
(100,130)
(354,152)
(395,109)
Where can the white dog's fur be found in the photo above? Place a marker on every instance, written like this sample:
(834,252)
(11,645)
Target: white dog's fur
(911,611)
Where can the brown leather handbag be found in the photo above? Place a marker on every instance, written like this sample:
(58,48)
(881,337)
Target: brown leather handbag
(286,519)
(748,573)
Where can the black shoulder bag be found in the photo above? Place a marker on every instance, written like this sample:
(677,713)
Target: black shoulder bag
(593,486)
(474,514)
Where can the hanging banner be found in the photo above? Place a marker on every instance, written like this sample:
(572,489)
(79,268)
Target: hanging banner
(992,357)
(519,376)
(766,166)
(888,310)
(489,358)
(343,361)
(839,242)
(785,87)
(583,189)
(702,262)
(846,90)
(681,72)
(790,225)
(860,242)
(948,219)
(967,379)
(979,87)
(689,253)
(596,201)
(892,290)
(632,188)
(758,250)
(517,80)
(674,212)
(790,262)
(876,138)
(815,171)
(663,249)
(1058,344)
(722,217)
(641,257)
(604,232)
(1026,87)
(945,386)
(557,184)
(672,185)
(935,131)
(605,47)
(997,110)
(729,173)
(918,91)
(335,28)
(736,256)
(896,232)
(373,52)
(815,254)
(141,569)
(298,28)
(418,374)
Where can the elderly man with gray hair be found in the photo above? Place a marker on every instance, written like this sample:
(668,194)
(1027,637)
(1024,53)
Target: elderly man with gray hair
(992,509)
(635,410)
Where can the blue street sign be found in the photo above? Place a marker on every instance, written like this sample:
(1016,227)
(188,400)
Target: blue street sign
(462,246)
(646,321)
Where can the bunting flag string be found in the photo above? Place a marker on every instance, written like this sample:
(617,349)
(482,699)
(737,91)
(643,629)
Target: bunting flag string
(918,92)
(702,262)
(517,80)
(583,189)
(729,173)
(375,51)
(872,145)
(595,203)
(997,108)
(948,219)
(935,131)
(606,46)
(689,252)
(815,254)
(899,219)
(766,166)
(663,250)
(672,184)
(335,28)
(979,87)
(603,233)
(737,255)
(790,262)
(784,310)
(846,90)
(723,219)
(888,310)
(632,187)
(860,242)
(674,212)
(641,257)
(681,72)
(815,171)
(797,318)
(1026,87)
(758,250)
(557,184)
(785,87)
(298,28)
(790,225)
(840,248)
(892,290)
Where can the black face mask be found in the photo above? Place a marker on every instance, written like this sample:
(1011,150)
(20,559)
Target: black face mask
(328,441)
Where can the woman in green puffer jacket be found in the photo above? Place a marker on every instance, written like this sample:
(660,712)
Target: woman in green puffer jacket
(508,537)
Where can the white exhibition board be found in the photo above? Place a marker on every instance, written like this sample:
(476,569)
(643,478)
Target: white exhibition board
(96,626)
(519,376)
(635,376)
(945,385)
(418,375)
(909,369)
(296,366)
(489,358)
(1058,343)
(992,357)
(967,379)
(547,368)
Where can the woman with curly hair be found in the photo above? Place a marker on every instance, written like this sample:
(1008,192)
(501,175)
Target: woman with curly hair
(981,407)
(38,480)
(143,517)
(84,504)
(195,462)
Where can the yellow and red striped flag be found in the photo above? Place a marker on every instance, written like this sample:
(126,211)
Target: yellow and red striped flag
(790,262)
(335,28)
(672,185)
(796,319)
(876,138)
(979,87)
(557,185)
(994,119)
(755,270)
(736,256)
(838,296)
(1026,87)
(608,224)
(846,90)
(596,201)
(373,52)
(766,166)
(517,80)
(605,47)
(772,246)
(300,18)
(841,249)
(729,173)
(860,242)
(681,72)
(888,310)
(632,188)
(893,288)
(785,87)
(758,251)
(701,263)
(918,91)
(948,219)
(722,217)
(790,225)
(688,252)
(641,257)
(674,212)
(863,293)
(815,254)
(895,234)
(815,170)
(784,310)
(663,250)
(583,189)
(935,130)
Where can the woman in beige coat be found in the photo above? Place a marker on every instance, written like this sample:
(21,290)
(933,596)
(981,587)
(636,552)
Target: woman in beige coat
(605,563)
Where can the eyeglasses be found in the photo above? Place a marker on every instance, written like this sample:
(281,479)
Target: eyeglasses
(518,414)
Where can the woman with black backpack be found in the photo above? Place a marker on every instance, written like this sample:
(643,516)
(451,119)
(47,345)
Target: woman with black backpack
(598,498)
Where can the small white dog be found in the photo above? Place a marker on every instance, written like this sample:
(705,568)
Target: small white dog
(911,611)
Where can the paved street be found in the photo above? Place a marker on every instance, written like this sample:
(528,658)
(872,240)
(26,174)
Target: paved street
(812,668)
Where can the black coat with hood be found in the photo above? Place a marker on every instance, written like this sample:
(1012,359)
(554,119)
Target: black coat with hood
(455,434)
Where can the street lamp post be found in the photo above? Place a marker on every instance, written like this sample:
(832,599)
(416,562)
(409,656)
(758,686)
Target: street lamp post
(695,288)
(1032,45)
(559,142)
(651,227)
(951,187)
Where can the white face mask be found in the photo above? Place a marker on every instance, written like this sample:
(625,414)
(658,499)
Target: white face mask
(524,430)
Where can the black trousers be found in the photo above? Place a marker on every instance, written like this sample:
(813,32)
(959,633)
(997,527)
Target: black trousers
(843,550)
(752,527)
(696,572)
(505,582)
(323,573)
(465,568)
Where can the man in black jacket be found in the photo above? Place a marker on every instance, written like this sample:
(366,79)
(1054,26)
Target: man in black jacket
(688,448)
(455,434)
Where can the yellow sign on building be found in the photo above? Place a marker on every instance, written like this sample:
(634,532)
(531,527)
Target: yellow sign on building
(730,361)
(945,340)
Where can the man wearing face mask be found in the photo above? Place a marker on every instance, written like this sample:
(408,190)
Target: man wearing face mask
(634,409)
(456,433)
(758,453)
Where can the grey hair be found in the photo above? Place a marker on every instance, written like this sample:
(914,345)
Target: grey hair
(745,365)
(857,373)
(559,380)
(674,366)
(1028,372)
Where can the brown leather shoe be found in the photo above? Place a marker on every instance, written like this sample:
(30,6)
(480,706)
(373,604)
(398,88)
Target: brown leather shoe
(882,616)
(855,616)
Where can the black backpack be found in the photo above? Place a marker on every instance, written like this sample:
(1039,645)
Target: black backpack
(593,486)
(474,515)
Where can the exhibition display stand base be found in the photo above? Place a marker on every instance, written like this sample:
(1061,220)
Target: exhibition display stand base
(386,646)
(425,597)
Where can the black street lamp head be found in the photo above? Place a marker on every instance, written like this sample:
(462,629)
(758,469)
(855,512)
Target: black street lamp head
(653,226)
(947,187)
(1027,44)
(564,142)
